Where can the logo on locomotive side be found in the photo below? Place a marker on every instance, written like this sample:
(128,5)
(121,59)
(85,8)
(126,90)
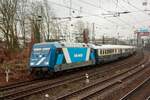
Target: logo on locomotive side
(78,55)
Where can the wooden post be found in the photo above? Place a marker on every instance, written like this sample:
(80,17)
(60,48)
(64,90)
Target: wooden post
(7,71)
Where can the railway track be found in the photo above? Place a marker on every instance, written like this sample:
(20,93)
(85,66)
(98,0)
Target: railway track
(30,89)
(148,98)
(19,84)
(133,92)
(100,85)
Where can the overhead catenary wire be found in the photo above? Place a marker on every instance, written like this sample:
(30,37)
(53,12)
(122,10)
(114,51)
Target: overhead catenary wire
(96,15)
(140,10)
(104,10)
(135,7)
(124,22)
(124,8)
(117,5)
(136,21)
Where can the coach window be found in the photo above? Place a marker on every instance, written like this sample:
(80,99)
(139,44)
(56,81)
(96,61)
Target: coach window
(114,51)
(106,52)
(101,52)
(118,50)
(109,51)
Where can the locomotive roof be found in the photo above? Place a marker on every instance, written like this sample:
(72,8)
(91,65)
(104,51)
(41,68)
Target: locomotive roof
(62,44)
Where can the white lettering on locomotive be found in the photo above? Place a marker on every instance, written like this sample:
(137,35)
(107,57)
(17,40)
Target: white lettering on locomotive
(78,55)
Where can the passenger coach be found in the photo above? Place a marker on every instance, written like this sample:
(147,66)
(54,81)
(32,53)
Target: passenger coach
(107,53)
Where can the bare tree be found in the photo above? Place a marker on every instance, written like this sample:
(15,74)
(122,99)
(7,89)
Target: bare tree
(22,18)
(50,23)
(44,27)
(47,19)
(35,21)
(8,25)
(14,14)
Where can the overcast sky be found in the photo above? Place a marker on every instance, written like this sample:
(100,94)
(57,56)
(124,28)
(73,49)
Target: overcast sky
(101,13)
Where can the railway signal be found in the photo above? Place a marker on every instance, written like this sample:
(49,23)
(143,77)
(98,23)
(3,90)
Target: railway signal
(87,78)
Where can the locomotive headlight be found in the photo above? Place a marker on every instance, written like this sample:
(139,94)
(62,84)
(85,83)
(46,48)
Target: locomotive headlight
(31,63)
(46,63)
(40,56)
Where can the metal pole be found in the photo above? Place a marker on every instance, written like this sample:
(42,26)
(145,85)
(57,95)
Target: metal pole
(137,39)
(70,9)
(103,39)
(93,33)
(118,38)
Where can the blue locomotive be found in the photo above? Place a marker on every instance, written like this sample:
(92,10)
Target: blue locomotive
(59,56)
